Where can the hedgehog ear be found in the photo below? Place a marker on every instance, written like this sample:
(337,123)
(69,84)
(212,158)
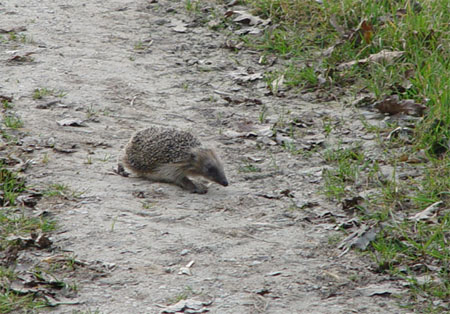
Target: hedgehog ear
(194,155)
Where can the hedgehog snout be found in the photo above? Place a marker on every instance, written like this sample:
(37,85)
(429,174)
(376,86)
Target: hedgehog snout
(224,182)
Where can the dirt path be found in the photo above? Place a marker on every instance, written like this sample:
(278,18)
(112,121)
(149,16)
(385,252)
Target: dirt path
(121,66)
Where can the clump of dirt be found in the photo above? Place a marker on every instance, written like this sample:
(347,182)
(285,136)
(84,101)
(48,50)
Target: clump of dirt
(265,243)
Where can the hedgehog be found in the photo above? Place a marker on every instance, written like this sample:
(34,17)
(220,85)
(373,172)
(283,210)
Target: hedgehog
(171,156)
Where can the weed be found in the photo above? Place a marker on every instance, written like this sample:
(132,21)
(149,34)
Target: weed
(11,186)
(147,205)
(45,158)
(113,224)
(12,121)
(62,190)
(249,168)
(139,46)
(7,105)
(40,93)
(262,114)
(192,6)
(187,292)
(60,94)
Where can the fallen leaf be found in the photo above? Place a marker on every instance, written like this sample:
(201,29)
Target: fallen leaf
(400,132)
(349,204)
(188,306)
(246,18)
(359,239)
(393,105)
(248,30)
(29,199)
(428,213)
(367,31)
(48,104)
(354,222)
(233,45)
(59,300)
(71,122)
(379,290)
(178,26)
(65,148)
(22,58)
(186,270)
(282,139)
(39,240)
(243,77)
(240,100)
(382,56)
(277,84)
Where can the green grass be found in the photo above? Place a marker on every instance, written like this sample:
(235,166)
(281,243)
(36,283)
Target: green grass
(10,301)
(40,93)
(10,186)
(7,105)
(12,121)
(305,28)
(16,221)
(311,40)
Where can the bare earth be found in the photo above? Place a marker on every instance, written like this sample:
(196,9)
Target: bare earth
(124,65)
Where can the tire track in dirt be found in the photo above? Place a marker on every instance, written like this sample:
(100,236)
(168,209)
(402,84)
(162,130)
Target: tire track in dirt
(122,68)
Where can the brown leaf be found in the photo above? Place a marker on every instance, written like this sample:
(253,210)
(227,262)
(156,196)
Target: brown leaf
(393,105)
(367,31)
(22,58)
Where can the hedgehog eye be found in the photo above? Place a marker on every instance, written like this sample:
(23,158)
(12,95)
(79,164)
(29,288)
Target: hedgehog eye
(211,170)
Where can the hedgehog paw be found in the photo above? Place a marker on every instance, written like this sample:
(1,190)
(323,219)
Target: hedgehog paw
(199,188)
(121,171)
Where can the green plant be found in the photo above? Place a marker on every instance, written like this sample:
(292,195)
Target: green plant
(10,186)
(13,121)
(7,105)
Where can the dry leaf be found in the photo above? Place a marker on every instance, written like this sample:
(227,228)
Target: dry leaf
(187,306)
(178,26)
(383,55)
(242,77)
(246,18)
(71,122)
(393,105)
(359,239)
(277,84)
(367,31)
(428,213)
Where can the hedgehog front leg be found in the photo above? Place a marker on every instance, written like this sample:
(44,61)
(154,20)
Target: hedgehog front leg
(191,186)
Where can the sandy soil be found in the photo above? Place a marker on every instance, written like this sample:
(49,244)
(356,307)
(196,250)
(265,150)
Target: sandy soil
(124,65)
